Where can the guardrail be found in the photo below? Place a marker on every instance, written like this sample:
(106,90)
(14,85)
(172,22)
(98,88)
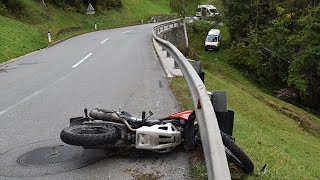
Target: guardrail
(217,166)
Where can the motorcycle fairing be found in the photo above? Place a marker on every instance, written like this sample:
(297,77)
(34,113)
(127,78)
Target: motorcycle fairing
(183,115)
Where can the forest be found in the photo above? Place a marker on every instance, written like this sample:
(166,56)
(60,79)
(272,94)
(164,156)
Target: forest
(277,44)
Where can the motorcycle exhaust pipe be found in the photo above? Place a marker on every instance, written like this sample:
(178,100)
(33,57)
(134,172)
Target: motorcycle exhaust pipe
(107,115)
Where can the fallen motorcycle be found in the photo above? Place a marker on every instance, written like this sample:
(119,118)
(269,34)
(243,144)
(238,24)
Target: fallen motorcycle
(103,128)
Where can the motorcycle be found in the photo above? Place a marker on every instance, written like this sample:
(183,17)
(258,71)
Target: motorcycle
(103,128)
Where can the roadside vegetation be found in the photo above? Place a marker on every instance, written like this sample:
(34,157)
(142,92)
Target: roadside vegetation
(25,23)
(270,130)
(278,44)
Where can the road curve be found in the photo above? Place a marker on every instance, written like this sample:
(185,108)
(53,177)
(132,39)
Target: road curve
(106,69)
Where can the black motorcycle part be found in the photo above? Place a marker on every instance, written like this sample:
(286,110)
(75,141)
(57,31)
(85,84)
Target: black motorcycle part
(225,121)
(189,132)
(236,155)
(90,135)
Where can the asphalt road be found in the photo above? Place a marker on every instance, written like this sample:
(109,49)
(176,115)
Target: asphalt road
(106,69)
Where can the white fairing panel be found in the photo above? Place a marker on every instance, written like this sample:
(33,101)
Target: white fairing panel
(158,138)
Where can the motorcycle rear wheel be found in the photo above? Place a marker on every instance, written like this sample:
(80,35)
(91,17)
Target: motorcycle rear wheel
(90,135)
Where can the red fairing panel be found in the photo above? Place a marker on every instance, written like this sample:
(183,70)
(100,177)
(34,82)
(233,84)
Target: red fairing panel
(183,115)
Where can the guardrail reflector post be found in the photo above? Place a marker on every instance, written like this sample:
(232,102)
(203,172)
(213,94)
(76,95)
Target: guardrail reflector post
(49,37)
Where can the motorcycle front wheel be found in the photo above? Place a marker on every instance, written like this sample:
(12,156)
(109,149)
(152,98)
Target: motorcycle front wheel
(90,135)
(236,155)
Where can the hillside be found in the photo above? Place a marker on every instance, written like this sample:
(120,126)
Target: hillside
(268,129)
(25,30)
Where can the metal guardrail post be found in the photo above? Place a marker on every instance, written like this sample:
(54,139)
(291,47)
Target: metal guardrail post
(225,117)
(168,54)
(219,100)
(198,68)
(175,65)
(213,148)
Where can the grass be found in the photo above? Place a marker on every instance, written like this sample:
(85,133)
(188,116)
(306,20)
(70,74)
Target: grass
(269,130)
(18,39)
(29,32)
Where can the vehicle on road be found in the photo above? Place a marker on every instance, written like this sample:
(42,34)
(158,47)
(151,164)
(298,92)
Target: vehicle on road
(213,40)
(103,128)
(206,11)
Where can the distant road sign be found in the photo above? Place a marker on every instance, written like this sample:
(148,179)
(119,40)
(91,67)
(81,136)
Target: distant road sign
(90,9)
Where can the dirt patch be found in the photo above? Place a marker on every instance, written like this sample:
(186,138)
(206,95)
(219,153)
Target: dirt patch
(302,121)
(69,29)
(137,175)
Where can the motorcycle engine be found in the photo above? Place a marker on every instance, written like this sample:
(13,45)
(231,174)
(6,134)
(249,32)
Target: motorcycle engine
(158,138)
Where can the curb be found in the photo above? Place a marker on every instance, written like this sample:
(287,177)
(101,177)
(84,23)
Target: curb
(17,58)
(166,62)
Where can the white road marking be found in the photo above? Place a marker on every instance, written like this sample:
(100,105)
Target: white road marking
(105,40)
(36,93)
(22,101)
(127,32)
(81,61)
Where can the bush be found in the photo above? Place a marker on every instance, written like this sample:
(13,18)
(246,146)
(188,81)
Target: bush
(66,4)
(110,4)
(14,6)
(201,27)
(104,4)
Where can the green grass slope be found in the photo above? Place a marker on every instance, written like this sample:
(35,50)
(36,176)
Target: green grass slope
(18,38)
(25,32)
(269,130)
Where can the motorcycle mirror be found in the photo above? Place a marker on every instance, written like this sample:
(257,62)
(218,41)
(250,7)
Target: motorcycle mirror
(150,114)
(143,115)
(85,112)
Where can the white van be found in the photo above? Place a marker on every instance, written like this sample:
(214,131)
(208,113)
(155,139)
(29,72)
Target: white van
(206,11)
(213,40)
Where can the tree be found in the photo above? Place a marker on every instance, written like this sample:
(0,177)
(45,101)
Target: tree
(184,8)
(304,70)
(278,43)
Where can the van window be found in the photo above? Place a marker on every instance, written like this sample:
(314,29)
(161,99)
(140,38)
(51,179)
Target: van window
(213,10)
(212,39)
(198,10)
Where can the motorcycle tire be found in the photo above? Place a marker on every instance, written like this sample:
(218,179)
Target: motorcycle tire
(236,155)
(90,135)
